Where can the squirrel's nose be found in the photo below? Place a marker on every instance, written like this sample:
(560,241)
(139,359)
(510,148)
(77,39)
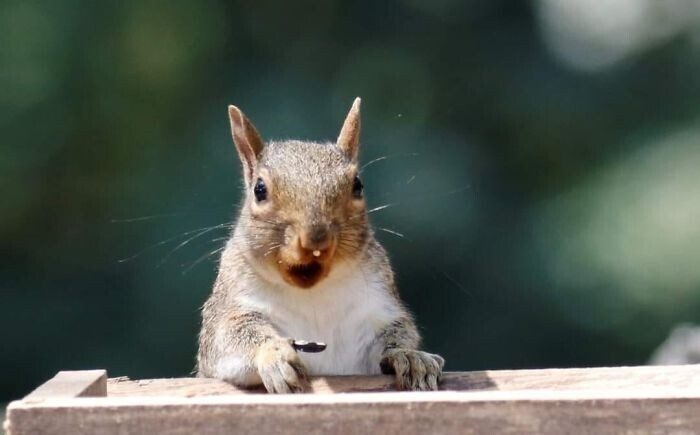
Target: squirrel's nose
(315,238)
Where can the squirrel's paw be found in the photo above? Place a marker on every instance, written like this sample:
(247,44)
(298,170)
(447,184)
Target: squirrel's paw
(280,368)
(414,369)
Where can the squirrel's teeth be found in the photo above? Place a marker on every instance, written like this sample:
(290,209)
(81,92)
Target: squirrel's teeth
(317,253)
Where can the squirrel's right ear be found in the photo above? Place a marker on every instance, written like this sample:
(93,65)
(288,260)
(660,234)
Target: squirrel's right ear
(247,139)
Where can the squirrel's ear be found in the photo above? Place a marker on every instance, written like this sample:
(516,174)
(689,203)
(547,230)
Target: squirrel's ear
(349,136)
(247,140)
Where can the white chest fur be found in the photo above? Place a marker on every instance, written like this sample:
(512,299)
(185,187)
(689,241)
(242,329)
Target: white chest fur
(345,311)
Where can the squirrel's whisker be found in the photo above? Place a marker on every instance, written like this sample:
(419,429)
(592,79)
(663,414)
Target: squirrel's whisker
(196,236)
(387,230)
(389,156)
(146,218)
(372,210)
(382,207)
(163,242)
(202,258)
(272,249)
(266,221)
(457,284)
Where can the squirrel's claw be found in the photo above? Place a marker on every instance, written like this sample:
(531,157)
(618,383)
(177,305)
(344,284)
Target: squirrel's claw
(281,369)
(414,369)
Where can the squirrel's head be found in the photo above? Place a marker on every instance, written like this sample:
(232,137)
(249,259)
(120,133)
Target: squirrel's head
(304,208)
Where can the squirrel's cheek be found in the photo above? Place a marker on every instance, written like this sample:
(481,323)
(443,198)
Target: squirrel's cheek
(265,211)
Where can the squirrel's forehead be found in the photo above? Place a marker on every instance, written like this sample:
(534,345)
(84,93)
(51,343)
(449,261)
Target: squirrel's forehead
(304,160)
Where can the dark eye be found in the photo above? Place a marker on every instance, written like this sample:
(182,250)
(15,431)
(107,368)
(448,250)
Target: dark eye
(260,190)
(357,187)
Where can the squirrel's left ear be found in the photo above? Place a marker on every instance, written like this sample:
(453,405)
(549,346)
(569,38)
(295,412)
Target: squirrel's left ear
(349,137)
(247,139)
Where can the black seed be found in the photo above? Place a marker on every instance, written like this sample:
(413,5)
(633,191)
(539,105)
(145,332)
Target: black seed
(308,346)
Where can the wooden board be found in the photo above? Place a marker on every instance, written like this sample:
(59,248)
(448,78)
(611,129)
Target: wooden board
(501,380)
(597,401)
(70,384)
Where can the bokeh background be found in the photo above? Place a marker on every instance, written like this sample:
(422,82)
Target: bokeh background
(542,162)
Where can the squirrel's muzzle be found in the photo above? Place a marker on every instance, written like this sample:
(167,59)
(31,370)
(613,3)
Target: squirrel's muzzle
(308,256)
(315,238)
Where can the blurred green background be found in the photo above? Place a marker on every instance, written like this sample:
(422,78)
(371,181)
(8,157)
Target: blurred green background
(543,159)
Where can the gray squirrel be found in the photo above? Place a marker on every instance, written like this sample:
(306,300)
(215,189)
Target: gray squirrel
(302,262)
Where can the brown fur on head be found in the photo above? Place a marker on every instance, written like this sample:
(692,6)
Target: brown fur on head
(304,209)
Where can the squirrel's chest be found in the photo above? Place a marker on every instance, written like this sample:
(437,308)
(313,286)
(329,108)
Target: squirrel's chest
(346,315)
(348,336)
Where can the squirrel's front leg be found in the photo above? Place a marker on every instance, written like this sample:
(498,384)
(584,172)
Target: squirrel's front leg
(414,369)
(246,350)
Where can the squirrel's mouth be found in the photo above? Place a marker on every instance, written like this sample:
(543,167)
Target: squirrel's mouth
(304,268)
(304,275)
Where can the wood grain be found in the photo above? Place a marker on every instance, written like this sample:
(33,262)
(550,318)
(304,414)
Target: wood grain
(502,380)
(70,384)
(629,400)
(488,412)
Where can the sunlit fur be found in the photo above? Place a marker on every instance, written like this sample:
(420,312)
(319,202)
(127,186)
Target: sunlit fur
(260,301)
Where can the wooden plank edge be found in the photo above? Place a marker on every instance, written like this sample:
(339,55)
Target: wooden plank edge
(65,385)
(271,400)
(70,384)
(595,411)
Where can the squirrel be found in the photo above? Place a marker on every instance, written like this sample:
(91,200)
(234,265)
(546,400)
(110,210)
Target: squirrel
(302,262)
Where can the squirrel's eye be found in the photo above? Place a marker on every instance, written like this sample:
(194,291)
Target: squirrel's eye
(260,190)
(357,187)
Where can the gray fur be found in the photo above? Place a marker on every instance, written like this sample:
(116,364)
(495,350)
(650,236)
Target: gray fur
(309,185)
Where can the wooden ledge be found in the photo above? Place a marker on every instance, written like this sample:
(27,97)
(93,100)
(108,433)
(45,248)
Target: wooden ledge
(67,384)
(492,380)
(599,400)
